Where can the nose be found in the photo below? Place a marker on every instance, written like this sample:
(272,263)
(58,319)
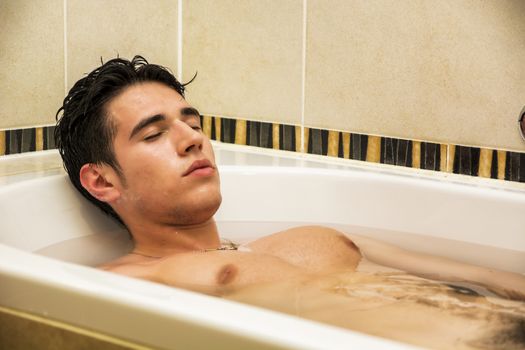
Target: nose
(187,139)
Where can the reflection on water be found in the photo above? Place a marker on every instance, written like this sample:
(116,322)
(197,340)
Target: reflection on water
(393,304)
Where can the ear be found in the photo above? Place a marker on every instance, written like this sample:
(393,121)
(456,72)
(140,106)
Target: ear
(101,181)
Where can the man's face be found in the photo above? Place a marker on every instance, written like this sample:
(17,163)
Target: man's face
(168,165)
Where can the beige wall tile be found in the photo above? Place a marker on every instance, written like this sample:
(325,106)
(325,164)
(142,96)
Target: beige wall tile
(444,71)
(99,28)
(248,55)
(31,62)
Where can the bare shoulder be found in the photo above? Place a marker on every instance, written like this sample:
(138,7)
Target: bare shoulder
(316,248)
(132,266)
(303,236)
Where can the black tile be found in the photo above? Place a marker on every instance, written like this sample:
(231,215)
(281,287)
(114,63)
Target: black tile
(475,154)
(213,132)
(28,141)
(266,135)
(315,141)
(494,165)
(512,166)
(49,137)
(324,141)
(396,151)
(521,177)
(13,141)
(388,150)
(287,137)
(466,160)
(404,153)
(430,156)
(358,145)
(228,130)
(252,133)
(340,146)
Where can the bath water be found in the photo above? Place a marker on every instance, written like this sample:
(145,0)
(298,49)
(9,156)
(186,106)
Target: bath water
(393,304)
(375,299)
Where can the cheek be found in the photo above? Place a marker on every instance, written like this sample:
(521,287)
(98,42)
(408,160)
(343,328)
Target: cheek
(207,149)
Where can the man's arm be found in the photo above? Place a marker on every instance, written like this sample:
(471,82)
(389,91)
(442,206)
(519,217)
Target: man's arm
(507,284)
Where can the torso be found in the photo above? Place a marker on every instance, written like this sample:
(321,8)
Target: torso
(292,254)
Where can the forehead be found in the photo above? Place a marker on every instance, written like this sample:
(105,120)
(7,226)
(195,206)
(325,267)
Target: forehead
(141,101)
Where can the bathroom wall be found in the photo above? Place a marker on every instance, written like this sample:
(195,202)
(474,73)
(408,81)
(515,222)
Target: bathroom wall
(427,84)
(47,45)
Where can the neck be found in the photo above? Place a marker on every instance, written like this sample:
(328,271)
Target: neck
(163,240)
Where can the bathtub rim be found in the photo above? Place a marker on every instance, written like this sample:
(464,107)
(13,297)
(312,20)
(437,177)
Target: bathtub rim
(380,169)
(271,328)
(301,159)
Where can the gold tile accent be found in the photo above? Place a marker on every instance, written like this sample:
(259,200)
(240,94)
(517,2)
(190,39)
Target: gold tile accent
(450,158)
(206,125)
(443,159)
(373,149)
(416,154)
(217,128)
(502,158)
(306,139)
(333,143)
(2,143)
(240,132)
(485,162)
(346,145)
(275,135)
(39,139)
(298,138)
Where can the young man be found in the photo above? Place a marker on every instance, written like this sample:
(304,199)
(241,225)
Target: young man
(133,146)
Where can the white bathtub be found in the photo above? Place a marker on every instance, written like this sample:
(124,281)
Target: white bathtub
(48,234)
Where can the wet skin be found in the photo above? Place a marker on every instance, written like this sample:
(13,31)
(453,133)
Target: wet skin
(168,190)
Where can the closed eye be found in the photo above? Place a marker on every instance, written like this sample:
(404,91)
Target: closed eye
(153,136)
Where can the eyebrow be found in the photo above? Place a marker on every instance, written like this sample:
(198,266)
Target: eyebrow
(145,122)
(187,111)
(190,111)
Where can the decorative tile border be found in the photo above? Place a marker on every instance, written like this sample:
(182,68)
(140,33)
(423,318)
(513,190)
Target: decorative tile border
(26,140)
(252,133)
(473,161)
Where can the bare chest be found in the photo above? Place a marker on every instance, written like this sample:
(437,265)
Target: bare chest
(220,272)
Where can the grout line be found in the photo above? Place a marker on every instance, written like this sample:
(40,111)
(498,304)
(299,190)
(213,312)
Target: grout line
(179,40)
(65,48)
(303,75)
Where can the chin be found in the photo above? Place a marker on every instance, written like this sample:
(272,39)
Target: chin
(199,212)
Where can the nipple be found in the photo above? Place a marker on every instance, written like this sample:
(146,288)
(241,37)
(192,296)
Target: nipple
(227,274)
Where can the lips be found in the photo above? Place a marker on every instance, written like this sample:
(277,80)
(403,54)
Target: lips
(203,164)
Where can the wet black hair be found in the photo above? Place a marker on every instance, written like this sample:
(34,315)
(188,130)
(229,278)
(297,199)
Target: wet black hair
(84,131)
